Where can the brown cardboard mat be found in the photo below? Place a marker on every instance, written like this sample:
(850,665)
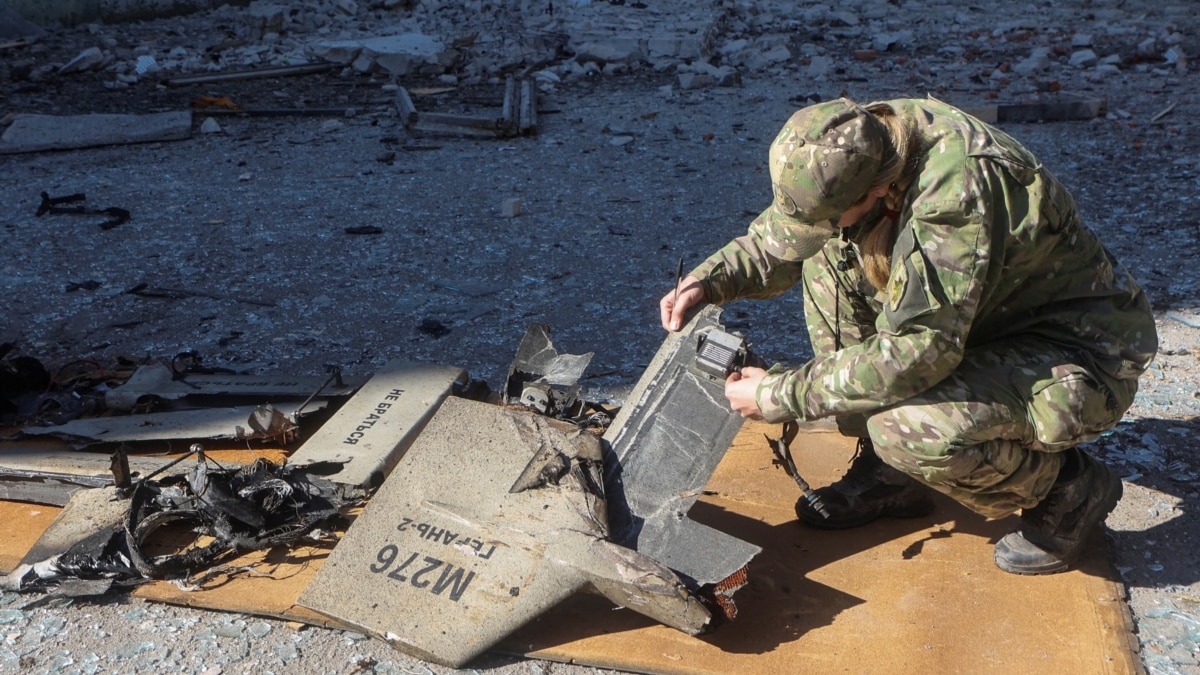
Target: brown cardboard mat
(894,596)
(912,595)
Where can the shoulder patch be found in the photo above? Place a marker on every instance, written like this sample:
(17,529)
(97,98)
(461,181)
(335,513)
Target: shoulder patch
(896,286)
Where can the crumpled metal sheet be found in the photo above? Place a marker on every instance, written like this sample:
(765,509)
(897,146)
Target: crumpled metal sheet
(493,517)
(159,382)
(541,378)
(241,423)
(253,507)
(663,447)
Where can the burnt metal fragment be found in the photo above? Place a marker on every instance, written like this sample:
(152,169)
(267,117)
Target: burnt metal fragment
(545,381)
(660,452)
(54,206)
(258,506)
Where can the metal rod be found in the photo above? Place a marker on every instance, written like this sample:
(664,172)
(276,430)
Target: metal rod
(304,69)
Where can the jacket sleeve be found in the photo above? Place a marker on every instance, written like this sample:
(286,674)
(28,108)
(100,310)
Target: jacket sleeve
(939,262)
(744,269)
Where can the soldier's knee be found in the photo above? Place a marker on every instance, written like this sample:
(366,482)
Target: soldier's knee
(905,444)
(935,454)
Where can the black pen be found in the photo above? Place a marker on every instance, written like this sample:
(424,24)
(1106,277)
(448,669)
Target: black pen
(678,282)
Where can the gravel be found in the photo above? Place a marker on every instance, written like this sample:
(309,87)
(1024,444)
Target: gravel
(628,173)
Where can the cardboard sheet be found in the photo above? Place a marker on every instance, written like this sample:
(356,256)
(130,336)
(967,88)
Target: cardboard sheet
(897,595)
(912,595)
(23,525)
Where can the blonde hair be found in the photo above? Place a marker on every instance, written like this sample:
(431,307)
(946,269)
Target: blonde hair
(897,173)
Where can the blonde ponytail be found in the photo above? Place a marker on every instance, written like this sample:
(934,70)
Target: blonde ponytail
(897,173)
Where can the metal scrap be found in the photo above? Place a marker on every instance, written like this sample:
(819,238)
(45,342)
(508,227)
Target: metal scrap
(185,383)
(54,206)
(241,423)
(477,549)
(518,114)
(254,507)
(545,381)
(660,452)
(256,73)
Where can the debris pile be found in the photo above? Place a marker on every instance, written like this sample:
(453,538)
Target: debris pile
(228,511)
(566,507)
(941,45)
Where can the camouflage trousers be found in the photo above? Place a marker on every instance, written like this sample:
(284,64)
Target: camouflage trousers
(992,434)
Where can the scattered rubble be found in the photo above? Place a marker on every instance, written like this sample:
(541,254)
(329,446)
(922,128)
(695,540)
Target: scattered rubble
(706,44)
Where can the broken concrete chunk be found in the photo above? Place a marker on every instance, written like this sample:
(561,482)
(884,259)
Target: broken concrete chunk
(373,430)
(263,18)
(1037,61)
(397,54)
(493,517)
(695,81)
(34,133)
(1149,48)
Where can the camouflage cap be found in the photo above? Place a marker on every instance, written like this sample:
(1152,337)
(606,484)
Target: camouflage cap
(823,161)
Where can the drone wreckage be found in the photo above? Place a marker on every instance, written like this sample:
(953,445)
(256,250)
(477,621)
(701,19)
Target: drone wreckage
(477,549)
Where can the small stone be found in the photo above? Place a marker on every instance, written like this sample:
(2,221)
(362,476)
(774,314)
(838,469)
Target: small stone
(777,54)
(88,59)
(511,207)
(145,64)
(1037,60)
(696,80)
(885,41)
(210,126)
(619,141)
(843,19)
(1081,40)
(1102,71)
(866,54)
(820,66)
(1084,58)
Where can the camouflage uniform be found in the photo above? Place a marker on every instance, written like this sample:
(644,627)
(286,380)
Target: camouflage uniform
(1006,332)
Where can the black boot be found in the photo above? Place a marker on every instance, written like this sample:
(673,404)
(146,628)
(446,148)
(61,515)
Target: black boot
(1053,533)
(869,489)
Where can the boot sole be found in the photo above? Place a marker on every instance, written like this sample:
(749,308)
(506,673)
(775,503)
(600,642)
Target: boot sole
(1113,490)
(813,518)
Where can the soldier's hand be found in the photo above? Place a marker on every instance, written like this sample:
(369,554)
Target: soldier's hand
(741,388)
(674,306)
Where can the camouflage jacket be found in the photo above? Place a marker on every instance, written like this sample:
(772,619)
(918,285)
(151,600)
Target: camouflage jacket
(989,246)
